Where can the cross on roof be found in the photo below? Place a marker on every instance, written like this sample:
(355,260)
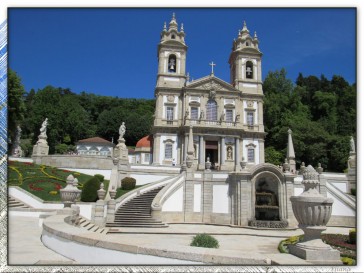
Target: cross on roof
(212,67)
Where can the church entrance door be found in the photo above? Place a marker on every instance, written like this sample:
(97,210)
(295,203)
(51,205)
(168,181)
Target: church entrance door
(212,152)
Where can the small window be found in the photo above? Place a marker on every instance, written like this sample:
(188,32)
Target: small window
(194,113)
(169,112)
(173,36)
(247,43)
(251,155)
(146,158)
(172,64)
(229,115)
(250,118)
(168,151)
(249,70)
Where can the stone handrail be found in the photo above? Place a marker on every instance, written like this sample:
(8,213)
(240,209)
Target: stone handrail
(166,191)
(126,197)
(340,195)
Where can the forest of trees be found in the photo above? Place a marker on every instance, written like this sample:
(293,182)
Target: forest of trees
(320,112)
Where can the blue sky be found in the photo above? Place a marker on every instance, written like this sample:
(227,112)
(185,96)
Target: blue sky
(113,52)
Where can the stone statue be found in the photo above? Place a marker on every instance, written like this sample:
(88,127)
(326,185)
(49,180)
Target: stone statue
(352,145)
(43,129)
(202,115)
(122,130)
(237,118)
(222,117)
(17,151)
(229,154)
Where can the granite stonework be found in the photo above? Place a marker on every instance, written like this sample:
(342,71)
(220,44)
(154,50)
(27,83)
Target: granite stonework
(313,211)
(239,206)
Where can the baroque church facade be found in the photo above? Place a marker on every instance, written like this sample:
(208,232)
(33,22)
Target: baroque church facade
(227,118)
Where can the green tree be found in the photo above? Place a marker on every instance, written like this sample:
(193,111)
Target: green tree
(16,105)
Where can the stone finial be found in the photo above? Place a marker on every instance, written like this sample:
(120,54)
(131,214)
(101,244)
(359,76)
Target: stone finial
(245,29)
(70,179)
(75,182)
(319,168)
(309,173)
(255,35)
(101,192)
(173,23)
(182,29)
(165,26)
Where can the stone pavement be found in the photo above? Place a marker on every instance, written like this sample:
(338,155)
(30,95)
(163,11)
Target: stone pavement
(25,246)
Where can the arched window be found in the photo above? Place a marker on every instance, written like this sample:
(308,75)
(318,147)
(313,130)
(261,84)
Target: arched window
(172,63)
(249,70)
(211,110)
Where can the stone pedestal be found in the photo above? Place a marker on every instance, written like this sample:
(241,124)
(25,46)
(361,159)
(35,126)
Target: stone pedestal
(351,175)
(111,204)
(40,149)
(99,214)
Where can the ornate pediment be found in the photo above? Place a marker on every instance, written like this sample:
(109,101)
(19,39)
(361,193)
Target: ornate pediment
(212,84)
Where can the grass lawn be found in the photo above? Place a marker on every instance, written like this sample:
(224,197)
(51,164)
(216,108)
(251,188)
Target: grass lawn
(43,181)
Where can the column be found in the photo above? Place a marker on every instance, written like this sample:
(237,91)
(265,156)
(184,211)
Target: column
(156,150)
(185,148)
(201,156)
(222,153)
(237,154)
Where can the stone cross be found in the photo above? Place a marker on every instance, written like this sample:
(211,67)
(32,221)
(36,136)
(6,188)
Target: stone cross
(212,67)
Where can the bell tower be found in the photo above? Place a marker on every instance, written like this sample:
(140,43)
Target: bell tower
(172,56)
(245,63)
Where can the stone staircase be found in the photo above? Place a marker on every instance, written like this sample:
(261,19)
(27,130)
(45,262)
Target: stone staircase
(86,224)
(15,203)
(137,212)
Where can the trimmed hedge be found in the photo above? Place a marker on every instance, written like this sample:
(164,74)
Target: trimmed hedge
(100,177)
(204,240)
(128,183)
(352,236)
(89,191)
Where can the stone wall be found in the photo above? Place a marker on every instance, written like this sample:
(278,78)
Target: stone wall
(75,161)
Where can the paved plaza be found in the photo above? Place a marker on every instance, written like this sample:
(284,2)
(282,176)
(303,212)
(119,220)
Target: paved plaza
(26,248)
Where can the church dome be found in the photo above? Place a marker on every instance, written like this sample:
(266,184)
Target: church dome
(145,142)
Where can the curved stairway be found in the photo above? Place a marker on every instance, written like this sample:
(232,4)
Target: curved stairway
(137,212)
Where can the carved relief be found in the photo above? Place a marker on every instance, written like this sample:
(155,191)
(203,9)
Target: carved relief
(170,98)
(229,153)
(250,103)
(212,94)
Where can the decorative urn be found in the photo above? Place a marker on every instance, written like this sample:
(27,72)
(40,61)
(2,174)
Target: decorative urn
(70,193)
(312,211)
(112,192)
(101,192)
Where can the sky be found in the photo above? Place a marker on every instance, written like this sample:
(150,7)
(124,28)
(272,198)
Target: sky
(113,51)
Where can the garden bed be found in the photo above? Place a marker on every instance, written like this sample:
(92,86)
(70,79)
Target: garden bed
(43,181)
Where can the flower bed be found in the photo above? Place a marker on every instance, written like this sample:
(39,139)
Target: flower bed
(42,181)
(339,242)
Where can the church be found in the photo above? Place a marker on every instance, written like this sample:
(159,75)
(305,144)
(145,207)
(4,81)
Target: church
(227,118)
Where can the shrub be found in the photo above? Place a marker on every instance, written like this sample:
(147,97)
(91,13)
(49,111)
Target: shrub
(348,261)
(352,236)
(128,183)
(61,148)
(100,177)
(205,240)
(353,191)
(89,191)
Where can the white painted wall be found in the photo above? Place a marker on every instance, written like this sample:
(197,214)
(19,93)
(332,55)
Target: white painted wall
(220,199)
(163,138)
(142,179)
(175,201)
(248,141)
(220,175)
(340,208)
(197,198)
